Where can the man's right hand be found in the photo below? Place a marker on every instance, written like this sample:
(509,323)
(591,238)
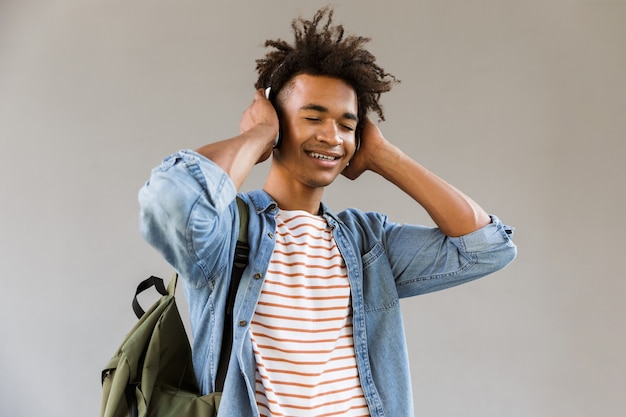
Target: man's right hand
(237,155)
(261,115)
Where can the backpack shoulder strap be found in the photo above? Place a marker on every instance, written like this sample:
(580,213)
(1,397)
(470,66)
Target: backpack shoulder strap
(242,248)
(240,262)
(243,220)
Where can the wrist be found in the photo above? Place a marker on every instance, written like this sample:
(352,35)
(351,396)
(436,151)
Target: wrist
(266,131)
(385,159)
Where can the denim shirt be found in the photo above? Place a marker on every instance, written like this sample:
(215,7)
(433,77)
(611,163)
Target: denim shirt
(189,214)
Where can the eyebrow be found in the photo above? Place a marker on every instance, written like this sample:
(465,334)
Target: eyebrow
(322,109)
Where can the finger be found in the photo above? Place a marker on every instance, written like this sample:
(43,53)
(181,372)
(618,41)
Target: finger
(259,94)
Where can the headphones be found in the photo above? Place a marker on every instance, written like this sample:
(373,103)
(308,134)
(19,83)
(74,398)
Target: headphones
(268,90)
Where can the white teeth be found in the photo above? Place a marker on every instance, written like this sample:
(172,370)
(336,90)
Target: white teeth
(320,156)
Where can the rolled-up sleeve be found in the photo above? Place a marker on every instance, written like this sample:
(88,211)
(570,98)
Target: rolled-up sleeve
(183,213)
(438,261)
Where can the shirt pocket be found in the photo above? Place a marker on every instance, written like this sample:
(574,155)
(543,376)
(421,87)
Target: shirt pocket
(379,287)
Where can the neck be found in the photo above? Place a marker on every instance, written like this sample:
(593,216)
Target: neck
(293,196)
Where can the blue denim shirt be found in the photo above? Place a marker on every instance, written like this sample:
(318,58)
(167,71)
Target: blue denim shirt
(189,214)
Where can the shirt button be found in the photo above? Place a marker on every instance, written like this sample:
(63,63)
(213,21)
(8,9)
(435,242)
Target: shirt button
(258,275)
(270,235)
(242,323)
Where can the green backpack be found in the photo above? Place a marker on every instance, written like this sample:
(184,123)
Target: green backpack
(151,374)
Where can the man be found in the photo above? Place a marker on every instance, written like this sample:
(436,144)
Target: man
(317,328)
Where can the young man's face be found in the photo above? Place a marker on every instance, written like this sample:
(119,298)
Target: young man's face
(318,123)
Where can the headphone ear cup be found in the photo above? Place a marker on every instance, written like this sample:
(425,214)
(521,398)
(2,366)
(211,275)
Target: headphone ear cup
(268,95)
(277,141)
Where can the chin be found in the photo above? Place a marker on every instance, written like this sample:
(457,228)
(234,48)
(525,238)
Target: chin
(319,182)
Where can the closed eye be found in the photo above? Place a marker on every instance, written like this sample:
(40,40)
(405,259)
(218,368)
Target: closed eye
(348,127)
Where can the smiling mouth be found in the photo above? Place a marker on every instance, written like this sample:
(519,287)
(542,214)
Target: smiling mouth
(322,156)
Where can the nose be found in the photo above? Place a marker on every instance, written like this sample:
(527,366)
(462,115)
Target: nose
(329,133)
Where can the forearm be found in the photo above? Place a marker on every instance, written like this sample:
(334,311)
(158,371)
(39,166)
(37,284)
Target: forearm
(454,213)
(237,155)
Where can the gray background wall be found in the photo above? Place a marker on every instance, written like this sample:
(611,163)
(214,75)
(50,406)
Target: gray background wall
(521,104)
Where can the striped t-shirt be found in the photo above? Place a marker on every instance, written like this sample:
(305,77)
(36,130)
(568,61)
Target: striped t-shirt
(302,328)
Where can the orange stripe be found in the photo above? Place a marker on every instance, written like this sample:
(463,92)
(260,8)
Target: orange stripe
(321,394)
(301,244)
(291,245)
(354,407)
(311,266)
(302,351)
(309,374)
(277,414)
(318,320)
(321,225)
(342,401)
(296,275)
(299,330)
(308,287)
(305,234)
(265,303)
(276,359)
(302,385)
(280,339)
(296,253)
(303,297)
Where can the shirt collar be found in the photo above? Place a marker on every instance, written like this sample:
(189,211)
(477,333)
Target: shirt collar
(263,202)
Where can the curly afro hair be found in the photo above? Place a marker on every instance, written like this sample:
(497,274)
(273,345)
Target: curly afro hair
(320,48)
